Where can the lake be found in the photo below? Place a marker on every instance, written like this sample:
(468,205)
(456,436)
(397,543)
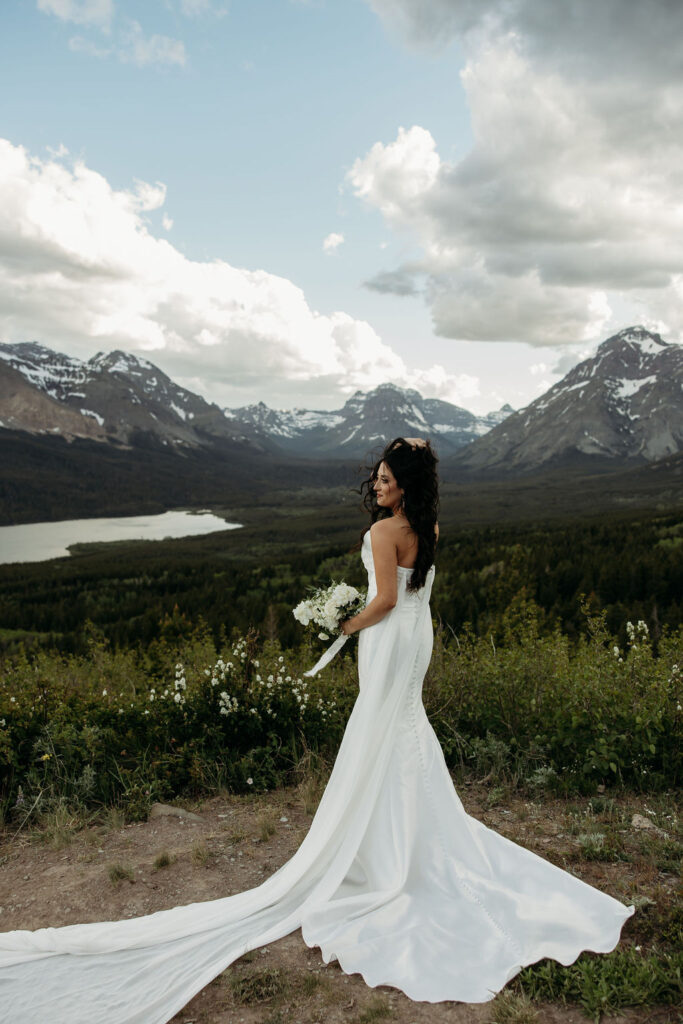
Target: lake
(36,542)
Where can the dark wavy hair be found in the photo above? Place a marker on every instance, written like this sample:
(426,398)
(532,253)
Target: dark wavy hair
(415,472)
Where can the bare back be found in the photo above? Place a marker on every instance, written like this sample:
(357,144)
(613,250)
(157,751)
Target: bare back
(405,540)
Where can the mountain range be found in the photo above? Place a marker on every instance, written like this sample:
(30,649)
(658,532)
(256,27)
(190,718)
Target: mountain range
(621,406)
(118,398)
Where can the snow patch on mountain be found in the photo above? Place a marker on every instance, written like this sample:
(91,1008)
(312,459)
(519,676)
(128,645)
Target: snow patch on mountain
(626,388)
(95,416)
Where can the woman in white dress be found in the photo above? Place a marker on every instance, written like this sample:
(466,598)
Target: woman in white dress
(394,879)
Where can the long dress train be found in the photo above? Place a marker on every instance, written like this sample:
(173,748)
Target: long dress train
(394,879)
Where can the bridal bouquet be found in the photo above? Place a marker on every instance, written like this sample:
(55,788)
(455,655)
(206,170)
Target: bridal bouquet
(328,606)
(324,610)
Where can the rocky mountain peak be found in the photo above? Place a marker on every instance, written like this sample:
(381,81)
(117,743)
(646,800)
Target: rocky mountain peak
(623,403)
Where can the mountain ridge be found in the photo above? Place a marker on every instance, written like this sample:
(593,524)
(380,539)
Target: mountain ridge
(621,405)
(120,398)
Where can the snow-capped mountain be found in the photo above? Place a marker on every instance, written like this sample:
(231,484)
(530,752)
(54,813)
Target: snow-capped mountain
(121,398)
(625,403)
(366,420)
(115,397)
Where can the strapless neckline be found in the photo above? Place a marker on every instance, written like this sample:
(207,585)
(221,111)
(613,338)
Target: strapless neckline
(401,568)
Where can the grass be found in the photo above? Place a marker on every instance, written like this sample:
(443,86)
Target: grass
(58,827)
(120,873)
(512,1007)
(606,983)
(266,825)
(201,854)
(377,1009)
(163,860)
(258,986)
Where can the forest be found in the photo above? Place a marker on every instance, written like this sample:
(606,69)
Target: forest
(630,568)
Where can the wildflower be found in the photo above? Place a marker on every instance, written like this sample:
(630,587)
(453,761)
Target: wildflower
(256,663)
(250,781)
(2,722)
(46,757)
(616,651)
(104,693)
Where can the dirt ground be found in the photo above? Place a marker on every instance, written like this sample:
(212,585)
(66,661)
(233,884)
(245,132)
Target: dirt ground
(67,873)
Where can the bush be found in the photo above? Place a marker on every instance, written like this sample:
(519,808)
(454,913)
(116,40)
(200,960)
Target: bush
(179,717)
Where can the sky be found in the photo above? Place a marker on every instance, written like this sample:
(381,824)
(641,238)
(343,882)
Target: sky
(289,200)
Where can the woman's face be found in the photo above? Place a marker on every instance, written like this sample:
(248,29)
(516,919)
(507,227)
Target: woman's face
(386,489)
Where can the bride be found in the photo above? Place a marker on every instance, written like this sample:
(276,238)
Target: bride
(394,879)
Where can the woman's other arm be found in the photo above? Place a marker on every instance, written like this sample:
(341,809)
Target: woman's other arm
(385,557)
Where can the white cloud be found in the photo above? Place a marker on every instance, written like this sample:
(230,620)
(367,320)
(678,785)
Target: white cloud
(98,13)
(199,8)
(568,202)
(79,44)
(333,241)
(166,222)
(80,269)
(143,50)
(131,45)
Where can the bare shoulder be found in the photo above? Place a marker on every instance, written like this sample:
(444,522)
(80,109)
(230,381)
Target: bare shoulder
(384,527)
(436,530)
(385,537)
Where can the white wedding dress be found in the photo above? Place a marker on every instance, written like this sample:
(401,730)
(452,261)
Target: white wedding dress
(394,880)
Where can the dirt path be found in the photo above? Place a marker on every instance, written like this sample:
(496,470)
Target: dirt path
(107,871)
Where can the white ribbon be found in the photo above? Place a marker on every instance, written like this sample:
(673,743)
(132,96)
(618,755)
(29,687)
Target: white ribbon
(329,654)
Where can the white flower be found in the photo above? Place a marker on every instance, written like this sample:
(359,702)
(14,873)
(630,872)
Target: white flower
(302,613)
(323,636)
(104,693)
(250,781)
